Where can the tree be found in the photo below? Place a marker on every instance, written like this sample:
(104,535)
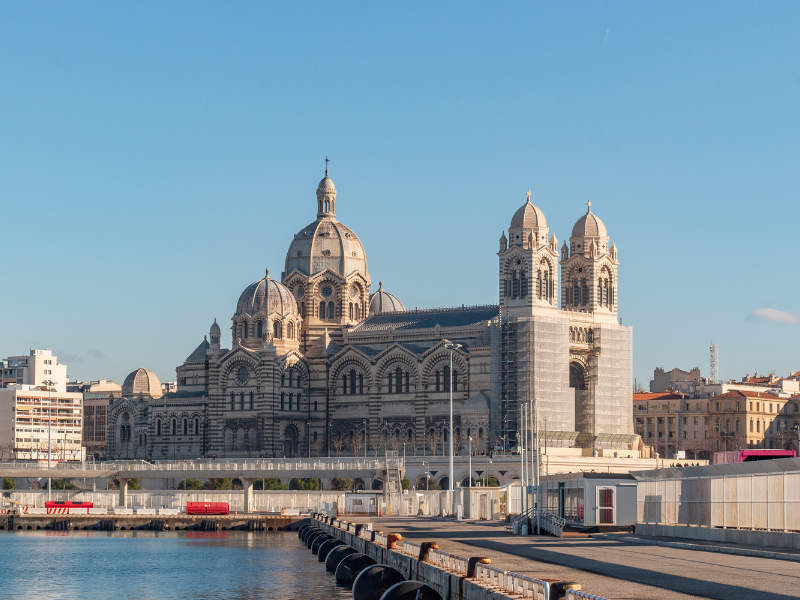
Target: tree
(433,484)
(60,484)
(338,444)
(415,443)
(357,443)
(492,482)
(341,484)
(269,484)
(219,484)
(376,441)
(395,442)
(9,483)
(319,444)
(134,484)
(304,484)
(433,439)
(405,482)
(189,484)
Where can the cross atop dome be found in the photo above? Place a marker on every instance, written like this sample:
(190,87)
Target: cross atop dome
(529,196)
(327,160)
(589,205)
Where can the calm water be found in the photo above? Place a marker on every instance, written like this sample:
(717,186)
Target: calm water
(141,565)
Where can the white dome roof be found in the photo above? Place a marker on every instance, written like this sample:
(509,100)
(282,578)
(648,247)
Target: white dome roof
(384,302)
(476,404)
(326,244)
(142,381)
(589,225)
(267,296)
(528,216)
(326,184)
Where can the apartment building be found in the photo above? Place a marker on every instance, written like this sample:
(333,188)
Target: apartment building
(97,397)
(29,413)
(735,420)
(34,369)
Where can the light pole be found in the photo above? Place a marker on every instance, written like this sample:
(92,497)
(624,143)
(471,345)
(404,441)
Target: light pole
(452,347)
(469,477)
(308,430)
(365,439)
(49,385)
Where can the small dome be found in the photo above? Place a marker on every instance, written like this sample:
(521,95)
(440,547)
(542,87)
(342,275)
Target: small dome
(268,296)
(589,225)
(528,217)
(384,302)
(142,381)
(326,244)
(326,185)
(476,404)
(215,328)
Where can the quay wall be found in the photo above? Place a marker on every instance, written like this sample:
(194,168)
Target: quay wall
(453,577)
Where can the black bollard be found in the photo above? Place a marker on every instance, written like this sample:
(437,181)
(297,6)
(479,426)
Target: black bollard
(326,547)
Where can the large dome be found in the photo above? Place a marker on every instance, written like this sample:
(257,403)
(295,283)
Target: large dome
(142,381)
(528,216)
(326,243)
(384,302)
(589,225)
(267,296)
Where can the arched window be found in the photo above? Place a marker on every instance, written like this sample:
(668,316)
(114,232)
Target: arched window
(360,383)
(186,427)
(276,330)
(447,379)
(410,435)
(523,284)
(299,398)
(241,400)
(407,382)
(357,310)
(158,427)
(290,330)
(398,374)
(303,310)
(283,398)
(350,311)
(322,310)
(751,425)
(246,333)
(315,436)
(344,385)
(514,285)
(585,292)
(390,382)
(438,381)
(252,401)
(455,380)
(260,330)
(122,433)
(758,426)
(315,406)
(196,426)
(174,427)
(331,314)
(291,399)
(233,401)
(576,293)
(353,381)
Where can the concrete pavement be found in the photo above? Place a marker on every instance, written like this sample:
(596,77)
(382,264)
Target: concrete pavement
(617,570)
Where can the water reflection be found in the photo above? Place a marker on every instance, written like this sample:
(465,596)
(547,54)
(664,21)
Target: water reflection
(145,565)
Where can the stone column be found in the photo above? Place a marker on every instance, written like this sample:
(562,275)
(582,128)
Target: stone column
(123,491)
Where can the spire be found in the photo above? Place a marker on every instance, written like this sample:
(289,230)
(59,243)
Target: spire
(267,275)
(327,160)
(589,206)
(380,286)
(529,196)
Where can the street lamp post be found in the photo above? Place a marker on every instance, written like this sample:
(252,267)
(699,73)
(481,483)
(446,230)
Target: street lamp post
(452,347)
(365,439)
(49,385)
(308,433)
(469,477)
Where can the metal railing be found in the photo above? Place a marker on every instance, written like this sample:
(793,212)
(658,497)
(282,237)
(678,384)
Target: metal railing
(514,583)
(550,522)
(382,539)
(519,519)
(412,549)
(449,562)
(575,594)
(206,465)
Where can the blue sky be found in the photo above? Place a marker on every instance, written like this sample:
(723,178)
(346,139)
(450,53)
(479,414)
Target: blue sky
(157,157)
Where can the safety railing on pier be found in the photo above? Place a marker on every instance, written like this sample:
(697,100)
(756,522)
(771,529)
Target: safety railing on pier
(412,549)
(513,583)
(450,562)
(550,522)
(381,539)
(576,595)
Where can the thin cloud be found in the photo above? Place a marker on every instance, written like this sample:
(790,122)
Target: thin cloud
(605,41)
(95,353)
(65,358)
(776,316)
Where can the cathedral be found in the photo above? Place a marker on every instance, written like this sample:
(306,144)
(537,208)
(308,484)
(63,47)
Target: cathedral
(319,366)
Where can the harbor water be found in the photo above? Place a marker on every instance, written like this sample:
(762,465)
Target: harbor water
(140,565)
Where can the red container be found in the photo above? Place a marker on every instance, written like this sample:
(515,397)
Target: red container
(208,508)
(63,504)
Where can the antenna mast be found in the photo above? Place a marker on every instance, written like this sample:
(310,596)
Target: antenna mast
(714,363)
